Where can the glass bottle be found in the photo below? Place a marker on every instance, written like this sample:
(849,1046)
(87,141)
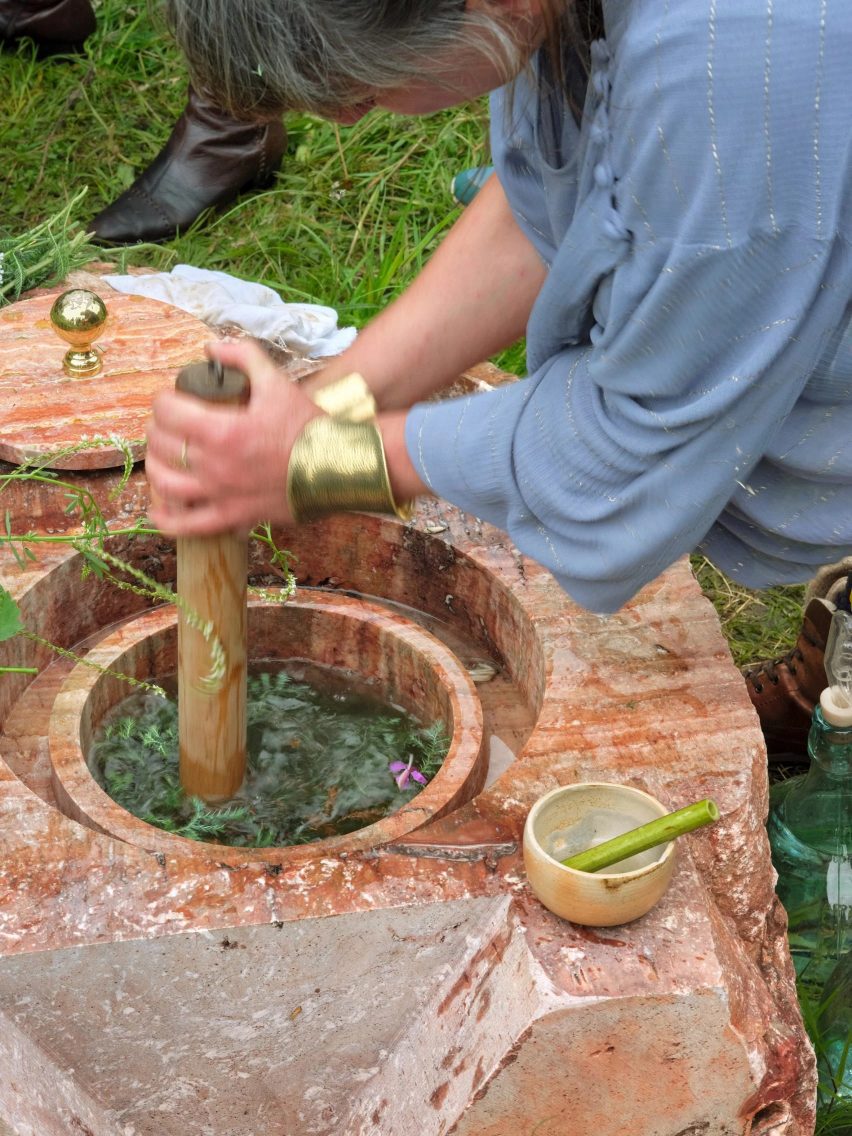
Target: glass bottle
(810,832)
(834,1028)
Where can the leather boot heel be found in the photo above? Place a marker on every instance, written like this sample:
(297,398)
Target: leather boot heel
(272,142)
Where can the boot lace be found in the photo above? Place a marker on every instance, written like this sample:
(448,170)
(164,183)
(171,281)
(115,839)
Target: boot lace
(767,671)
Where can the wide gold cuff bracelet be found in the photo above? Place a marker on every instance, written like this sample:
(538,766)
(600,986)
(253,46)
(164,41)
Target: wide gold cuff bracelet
(338,465)
(349,398)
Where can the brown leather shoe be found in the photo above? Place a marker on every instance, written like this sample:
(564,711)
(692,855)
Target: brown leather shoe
(57,26)
(208,160)
(785,691)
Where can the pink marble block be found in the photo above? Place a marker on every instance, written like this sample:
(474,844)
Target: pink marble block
(406,983)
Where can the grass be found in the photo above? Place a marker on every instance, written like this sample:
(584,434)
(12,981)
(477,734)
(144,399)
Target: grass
(350,219)
(834,1117)
(757,625)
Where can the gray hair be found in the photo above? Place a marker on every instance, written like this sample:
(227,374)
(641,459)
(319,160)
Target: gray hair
(263,57)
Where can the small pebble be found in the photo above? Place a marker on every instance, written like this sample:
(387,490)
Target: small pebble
(481,671)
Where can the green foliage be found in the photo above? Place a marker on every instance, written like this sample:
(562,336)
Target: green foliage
(318,759)
(834,1119)
(279,562)
(834,1114)
(10,616)
(89,537)
(43,254)
(428,747)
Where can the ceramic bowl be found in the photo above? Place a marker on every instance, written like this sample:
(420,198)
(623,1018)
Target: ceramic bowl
(596,899)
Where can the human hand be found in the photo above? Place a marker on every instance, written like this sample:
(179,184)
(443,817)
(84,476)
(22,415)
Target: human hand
(217,469)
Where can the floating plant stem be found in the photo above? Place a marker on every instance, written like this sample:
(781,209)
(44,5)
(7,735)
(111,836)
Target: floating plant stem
(63,653)
(646,836)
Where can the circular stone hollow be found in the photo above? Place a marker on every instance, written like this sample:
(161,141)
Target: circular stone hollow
(401,663)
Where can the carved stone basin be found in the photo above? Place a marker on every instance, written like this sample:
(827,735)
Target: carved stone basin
(410,956)
(401,662)
(402,980)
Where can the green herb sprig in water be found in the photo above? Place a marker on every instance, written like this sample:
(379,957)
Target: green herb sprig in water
(320,765)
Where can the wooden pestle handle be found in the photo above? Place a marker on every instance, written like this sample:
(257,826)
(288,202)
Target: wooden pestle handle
(650,835)
(212,576)
(212,382)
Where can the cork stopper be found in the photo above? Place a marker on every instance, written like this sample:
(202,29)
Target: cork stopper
(835,708)
(836,700)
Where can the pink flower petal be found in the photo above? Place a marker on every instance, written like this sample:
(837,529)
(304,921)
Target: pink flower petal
(418,777)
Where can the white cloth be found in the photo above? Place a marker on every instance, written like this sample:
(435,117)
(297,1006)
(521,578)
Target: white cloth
(217,298)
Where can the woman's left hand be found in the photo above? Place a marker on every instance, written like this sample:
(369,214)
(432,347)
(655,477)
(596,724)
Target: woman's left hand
(216,469)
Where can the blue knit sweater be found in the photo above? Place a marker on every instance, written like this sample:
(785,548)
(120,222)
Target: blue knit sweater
(690,353)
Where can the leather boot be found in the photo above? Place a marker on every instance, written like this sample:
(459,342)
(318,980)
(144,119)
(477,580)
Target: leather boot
(57,26)
(208,160)
(785,691)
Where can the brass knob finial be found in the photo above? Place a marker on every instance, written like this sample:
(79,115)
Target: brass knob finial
(79,317)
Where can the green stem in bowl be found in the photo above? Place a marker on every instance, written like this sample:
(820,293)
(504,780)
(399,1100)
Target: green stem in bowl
(646,836)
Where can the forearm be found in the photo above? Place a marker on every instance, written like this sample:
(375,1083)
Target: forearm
(472,299)
(405,481)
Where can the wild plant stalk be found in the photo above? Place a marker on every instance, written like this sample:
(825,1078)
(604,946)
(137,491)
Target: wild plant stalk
(89,539)
(45,253)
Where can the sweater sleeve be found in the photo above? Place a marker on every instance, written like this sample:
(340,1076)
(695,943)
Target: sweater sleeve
(717,274)
(608,463)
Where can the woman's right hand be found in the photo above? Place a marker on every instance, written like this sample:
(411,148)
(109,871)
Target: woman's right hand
(214,469)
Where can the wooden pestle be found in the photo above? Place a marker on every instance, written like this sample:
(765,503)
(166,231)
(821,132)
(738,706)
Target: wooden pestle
(212,574)
(650,835)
